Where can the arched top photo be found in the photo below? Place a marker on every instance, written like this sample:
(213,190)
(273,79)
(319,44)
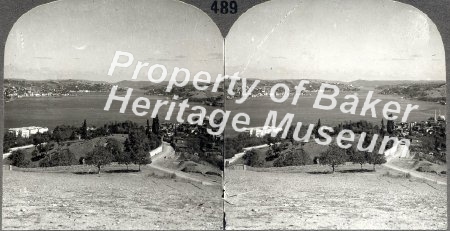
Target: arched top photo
(77,39)
(335,40)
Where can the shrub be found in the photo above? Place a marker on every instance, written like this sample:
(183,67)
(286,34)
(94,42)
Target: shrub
(141,157)
(254,158)
(99,157)
(359,157)
(60,158)
(124,158)
(19,159)
(293,158)
(333,156)
(375,158)
(272,155)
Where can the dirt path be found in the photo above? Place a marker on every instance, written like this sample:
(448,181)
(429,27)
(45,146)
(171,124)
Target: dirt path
(415,174)
(241,154)
(167,150)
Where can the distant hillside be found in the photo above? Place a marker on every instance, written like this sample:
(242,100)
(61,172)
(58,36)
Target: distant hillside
(139,84)
(426,91)
(51,81)
(313,85)
(377,83)
(21,87)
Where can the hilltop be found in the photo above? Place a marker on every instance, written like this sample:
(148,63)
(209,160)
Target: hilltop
(425,91)
(18,88)
(376,83)
(139,84)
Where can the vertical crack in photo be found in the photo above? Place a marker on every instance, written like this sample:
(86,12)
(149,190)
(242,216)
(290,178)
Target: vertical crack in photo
(345,105)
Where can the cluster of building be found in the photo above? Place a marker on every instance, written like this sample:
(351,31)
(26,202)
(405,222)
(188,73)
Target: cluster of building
(11,93)
(184,135)
(171,130)
(14,89)
(18,92)
(262,131)
(26,132)
(431,126)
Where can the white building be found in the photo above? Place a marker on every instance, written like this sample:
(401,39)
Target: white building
(27,131)
(262,131)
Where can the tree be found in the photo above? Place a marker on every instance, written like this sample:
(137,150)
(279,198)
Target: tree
(138,146)
(316,129)
(45,148)
(62,157)
(383,128)
(272,140)
(293,157)
(390,126)
(63,132)
(333,156)
(147,128)
(40,138)
(155,125)
(124,158)
(374,158)
(141,157)
(359,157)
(254,158)
(19,159)
(271,154)
(84,130)
(115,147)
(153,141)
(99,157)
(34,155)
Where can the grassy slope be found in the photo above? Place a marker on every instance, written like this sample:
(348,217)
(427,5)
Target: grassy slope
(79,147)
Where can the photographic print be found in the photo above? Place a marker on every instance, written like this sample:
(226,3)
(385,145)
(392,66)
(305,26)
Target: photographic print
(90,140)
(347,104)
(225,115)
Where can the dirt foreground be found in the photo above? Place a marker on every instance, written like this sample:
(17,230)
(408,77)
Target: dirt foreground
(362,200)
(139,200)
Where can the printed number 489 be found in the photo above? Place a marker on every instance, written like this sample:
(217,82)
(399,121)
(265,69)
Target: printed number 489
(224,7)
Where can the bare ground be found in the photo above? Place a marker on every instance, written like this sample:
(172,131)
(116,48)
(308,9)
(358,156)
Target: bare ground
(292,198)
(136,200)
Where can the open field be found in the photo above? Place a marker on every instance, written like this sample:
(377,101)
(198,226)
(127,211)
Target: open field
(41,199)
(306,198)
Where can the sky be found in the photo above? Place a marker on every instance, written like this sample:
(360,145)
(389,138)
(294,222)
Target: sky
(78,39)
(281,39)
(335,40)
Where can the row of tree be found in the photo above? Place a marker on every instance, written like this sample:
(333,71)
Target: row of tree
(63,133)
(135,150)
(293,154)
